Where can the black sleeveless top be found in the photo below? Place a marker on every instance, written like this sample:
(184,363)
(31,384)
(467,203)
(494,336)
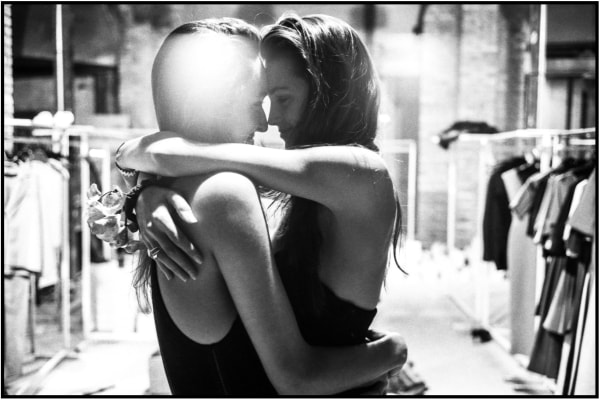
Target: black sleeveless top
(336,323)
(231,367)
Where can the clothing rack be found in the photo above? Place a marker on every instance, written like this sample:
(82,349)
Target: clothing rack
(60,136)
(548,142)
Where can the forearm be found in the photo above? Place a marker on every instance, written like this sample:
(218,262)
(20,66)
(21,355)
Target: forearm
(328,175)
(336,369)
(165,154)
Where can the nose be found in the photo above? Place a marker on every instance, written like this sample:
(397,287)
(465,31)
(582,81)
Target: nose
(261,125)
(274,117)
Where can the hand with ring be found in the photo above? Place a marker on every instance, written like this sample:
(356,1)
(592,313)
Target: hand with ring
(153,253)
(166,242)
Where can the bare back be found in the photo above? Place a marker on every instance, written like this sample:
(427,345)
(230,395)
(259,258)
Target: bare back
(354,254)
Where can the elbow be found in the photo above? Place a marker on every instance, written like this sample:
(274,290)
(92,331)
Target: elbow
(122,155)
(299,378)
(296,382)
(131,155)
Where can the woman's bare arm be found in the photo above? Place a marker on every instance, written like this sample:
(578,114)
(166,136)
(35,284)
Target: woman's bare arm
(228,206)
(340,177)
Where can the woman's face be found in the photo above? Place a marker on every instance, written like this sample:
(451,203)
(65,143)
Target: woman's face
(288,93)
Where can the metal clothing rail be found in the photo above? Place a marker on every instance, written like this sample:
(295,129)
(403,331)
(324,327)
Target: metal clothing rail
(549,141)
(524,134)
(549,145)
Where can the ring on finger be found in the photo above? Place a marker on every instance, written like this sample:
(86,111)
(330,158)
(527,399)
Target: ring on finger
(153,252)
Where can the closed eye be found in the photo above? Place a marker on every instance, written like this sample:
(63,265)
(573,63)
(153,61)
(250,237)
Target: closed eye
(282,100)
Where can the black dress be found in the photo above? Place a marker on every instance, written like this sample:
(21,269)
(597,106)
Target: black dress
(334,322)
(231,367)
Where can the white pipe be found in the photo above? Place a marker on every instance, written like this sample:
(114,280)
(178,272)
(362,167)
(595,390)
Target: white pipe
(542,90)
(451,206)
(60,73)
(65,265)
(86,307)
(523,134)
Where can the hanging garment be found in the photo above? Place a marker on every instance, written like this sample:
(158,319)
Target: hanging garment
(545,204)
(521,262)
(573,311)
(10,178)
(584,377)
(565,299)
(536,203)
(34,220)
(546,352)
(564,314)
(584,218)
(521,204)
(584,373)
(497,215)
(573,339)
(15,315)
(540,201)
(574,204)
(561,193)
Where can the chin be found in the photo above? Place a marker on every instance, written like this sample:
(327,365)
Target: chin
(249,139)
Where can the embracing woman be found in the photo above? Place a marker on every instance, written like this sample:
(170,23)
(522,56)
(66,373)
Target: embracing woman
(299,307)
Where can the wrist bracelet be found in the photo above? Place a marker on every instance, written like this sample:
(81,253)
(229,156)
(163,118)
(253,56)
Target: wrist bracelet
(124,171)
(131,200)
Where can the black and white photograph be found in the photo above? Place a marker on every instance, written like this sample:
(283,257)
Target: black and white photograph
(253,200)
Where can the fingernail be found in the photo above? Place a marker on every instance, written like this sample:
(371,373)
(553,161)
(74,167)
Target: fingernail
(189,216)
(198,259)
(193,277)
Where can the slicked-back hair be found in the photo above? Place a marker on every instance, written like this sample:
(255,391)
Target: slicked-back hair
(230,27)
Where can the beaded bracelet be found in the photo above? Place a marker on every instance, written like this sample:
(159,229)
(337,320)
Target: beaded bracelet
(130,201)
(124,171)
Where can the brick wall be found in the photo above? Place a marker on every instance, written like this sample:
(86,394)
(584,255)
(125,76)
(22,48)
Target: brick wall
(472,70)
(438,109)
(7,101)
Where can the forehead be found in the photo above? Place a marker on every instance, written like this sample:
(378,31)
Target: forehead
(281,73)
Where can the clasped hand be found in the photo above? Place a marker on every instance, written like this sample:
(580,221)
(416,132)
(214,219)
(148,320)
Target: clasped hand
(158,230)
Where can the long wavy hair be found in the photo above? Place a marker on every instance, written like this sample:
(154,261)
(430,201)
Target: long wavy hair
(225,26)
(342,109)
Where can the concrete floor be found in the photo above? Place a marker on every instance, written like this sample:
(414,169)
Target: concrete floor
(439,342)
(117,360)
